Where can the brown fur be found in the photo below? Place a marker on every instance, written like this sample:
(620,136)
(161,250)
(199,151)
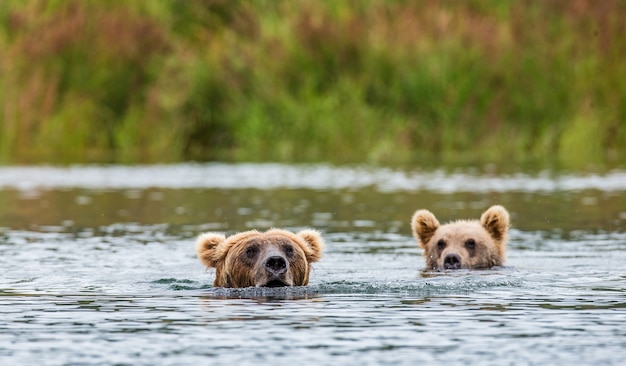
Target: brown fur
(464,243)
(272,258)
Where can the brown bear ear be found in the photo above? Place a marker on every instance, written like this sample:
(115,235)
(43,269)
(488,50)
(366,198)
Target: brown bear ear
(315,244)
(206,248)
(424,225)
(496,221)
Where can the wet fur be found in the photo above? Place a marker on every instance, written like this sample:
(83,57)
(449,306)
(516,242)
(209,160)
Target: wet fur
(489,235)
(234,268)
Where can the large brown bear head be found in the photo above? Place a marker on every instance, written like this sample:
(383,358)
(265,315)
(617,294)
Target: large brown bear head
(263,259)
(465,243)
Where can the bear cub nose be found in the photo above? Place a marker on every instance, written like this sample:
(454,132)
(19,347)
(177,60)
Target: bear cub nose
(276,264)
(452,261)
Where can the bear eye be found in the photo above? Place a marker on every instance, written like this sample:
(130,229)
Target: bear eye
(441,244)
(470,244)
(251,252)
(288,250)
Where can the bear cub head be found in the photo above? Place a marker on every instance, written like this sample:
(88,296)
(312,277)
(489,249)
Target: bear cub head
(262,259)
(466,244)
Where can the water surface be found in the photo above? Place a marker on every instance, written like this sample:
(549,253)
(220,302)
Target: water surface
(98,267)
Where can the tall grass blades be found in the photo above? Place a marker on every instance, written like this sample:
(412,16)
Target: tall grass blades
(341,81)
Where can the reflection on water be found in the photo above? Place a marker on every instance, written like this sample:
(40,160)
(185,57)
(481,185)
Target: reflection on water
(236,197)
(98,267)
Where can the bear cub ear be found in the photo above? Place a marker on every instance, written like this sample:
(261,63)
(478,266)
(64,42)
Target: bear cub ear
(496,221)
(424,224)
(206,248)
(315,244)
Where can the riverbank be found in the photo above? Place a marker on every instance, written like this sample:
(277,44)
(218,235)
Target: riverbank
(340,81)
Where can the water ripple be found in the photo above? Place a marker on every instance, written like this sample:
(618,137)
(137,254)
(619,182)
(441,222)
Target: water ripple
(274,176)
(110,291)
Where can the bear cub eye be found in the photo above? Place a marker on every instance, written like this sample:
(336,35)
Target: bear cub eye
(470,244)
(441,244)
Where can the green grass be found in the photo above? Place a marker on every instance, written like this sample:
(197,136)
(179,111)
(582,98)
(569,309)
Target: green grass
(341,81)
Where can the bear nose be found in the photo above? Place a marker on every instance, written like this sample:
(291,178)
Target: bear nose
(452,261)
(276,264)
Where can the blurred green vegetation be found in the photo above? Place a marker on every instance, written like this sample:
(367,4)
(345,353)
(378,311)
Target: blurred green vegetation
(335,80)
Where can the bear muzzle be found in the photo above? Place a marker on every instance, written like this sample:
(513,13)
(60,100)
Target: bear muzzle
(276,265)
(275,272)
(452,261)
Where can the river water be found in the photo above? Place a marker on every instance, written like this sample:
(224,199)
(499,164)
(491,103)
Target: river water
(98,267)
